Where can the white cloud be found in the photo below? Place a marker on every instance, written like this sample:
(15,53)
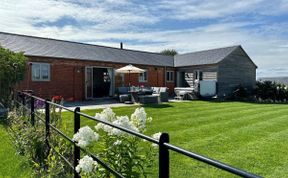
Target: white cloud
(24,14)
(204,9)
(112,21)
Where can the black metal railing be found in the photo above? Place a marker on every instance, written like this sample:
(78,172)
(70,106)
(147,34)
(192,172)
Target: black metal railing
(164,145)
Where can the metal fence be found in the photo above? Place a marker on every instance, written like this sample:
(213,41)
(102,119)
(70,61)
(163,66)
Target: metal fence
(27,100)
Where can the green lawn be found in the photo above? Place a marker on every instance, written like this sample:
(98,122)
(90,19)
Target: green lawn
(248,136)
(11,164)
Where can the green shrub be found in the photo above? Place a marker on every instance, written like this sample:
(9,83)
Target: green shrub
(240,93)
(267,90)
(12,68)
(30,141)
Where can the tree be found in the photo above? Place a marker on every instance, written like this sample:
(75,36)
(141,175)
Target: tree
(12,68)
(169,52)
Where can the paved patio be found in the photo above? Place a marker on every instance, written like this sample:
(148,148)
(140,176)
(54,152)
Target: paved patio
(103,103)
(96,104)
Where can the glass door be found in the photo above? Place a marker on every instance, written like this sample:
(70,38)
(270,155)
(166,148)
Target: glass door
(89,82)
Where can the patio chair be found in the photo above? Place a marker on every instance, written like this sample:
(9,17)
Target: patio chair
(180,95)
(123,94)
(162,92)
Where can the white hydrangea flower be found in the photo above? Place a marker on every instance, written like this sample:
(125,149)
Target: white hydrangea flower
(124,122)
(157,137)
(109,114)
(104,127)
(86,165)
(139,117)
(85,136)
(106,115)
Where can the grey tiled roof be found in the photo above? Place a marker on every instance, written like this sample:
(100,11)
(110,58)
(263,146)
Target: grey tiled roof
(212,56)
(35,46)
(45,47)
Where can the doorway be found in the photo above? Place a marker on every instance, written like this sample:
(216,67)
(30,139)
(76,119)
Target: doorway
(99,82)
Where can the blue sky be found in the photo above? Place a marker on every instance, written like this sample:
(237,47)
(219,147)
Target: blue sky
(260,26)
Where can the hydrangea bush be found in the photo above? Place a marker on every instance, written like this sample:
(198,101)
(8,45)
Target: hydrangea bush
(85,136)
(86,165)
(124,152)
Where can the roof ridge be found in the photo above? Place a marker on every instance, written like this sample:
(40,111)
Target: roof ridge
(82,43)
(234,46)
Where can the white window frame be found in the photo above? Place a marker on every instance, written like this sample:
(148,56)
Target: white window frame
(41,65)
(141,76)
(170,74)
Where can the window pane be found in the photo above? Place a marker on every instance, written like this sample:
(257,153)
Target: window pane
(36,71)
(45,71)
(143,77)
(200,75)
(170,76)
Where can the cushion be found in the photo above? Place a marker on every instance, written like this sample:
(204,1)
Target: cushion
(123,90)
(163,89)
(155,89)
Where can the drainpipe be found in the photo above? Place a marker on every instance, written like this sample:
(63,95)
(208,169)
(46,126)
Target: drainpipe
(29,78)
(165,81)
(74,71)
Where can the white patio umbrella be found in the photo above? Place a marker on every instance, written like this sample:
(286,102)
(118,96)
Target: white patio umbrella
(129,69)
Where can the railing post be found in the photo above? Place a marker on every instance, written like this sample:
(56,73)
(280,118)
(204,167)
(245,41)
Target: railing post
(163,156)
(17,100)
(76,149)
(32,110)
(23,103)
(23,99)
(47,119)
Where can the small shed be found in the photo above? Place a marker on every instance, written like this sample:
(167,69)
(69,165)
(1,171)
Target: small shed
(229,67)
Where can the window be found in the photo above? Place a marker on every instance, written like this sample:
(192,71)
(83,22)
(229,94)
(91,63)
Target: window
(143,77)
(198,75)
(40,72)
(170,76)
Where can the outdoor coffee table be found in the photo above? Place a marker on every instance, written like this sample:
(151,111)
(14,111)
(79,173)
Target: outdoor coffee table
(134,96)
(145,99)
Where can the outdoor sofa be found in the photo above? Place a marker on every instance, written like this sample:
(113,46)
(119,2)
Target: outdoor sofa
(124,95)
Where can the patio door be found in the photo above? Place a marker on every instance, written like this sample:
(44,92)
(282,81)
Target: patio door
(99,82)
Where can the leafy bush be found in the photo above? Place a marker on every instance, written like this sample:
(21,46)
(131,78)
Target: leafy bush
(123,152)
(240,93)
(55,164)
(30,141)
(268,90)
(12,68)
(126,154)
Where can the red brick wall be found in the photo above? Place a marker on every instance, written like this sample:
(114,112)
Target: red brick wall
(68,78)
